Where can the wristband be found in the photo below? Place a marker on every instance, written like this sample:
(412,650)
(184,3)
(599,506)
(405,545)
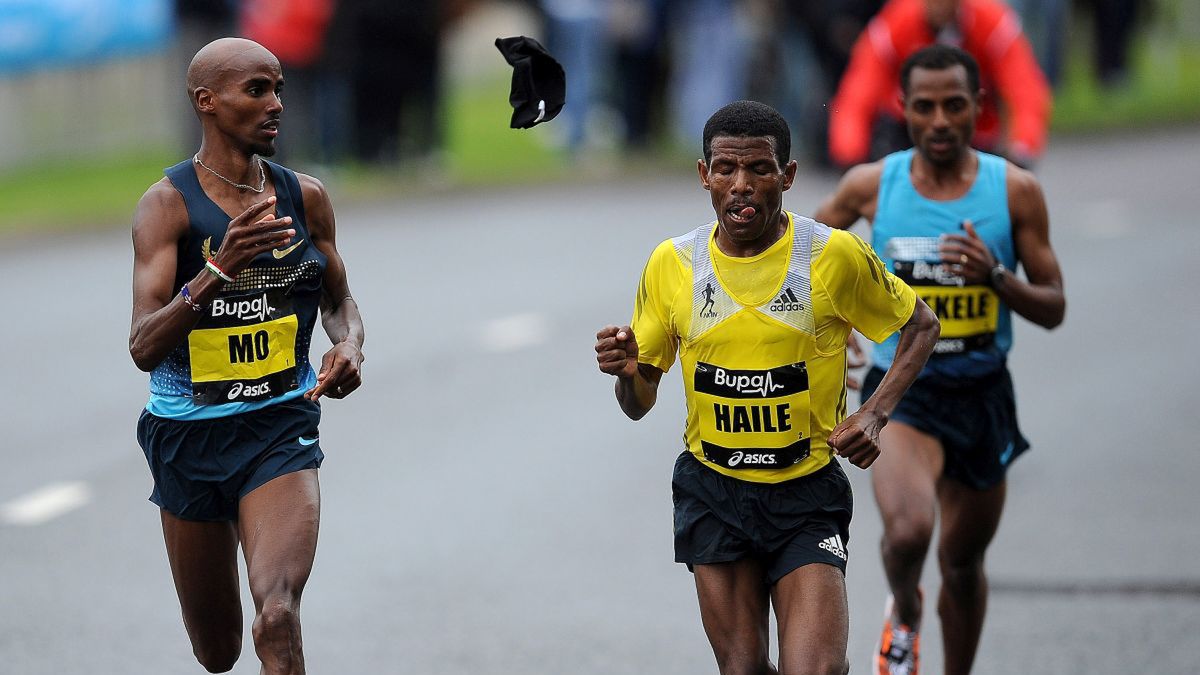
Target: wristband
(212,267)
(187,299)
(996,275)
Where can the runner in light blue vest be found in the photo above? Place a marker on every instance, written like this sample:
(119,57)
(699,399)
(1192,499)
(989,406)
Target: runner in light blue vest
(956,224)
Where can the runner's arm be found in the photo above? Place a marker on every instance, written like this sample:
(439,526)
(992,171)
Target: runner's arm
(161,319)
(855,197)
(638,394)
(1023,88)
(340,371)
(857,437)
(868,78)
(637,383)
(917,339)
(1040,299)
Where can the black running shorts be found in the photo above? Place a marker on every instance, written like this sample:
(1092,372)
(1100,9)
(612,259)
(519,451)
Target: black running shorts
(203,468)
(787,525)
(975,420)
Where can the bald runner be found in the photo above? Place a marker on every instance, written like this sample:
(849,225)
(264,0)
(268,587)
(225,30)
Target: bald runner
(224,308)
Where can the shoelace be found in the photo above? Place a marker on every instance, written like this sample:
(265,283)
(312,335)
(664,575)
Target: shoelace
(901,648)
(900,654)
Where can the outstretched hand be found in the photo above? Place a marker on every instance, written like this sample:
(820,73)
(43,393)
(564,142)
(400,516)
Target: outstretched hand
(967,255)
(340,374)
(246,238)
(617,351)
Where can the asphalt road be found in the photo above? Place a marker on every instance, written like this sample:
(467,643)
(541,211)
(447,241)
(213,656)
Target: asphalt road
(487,508)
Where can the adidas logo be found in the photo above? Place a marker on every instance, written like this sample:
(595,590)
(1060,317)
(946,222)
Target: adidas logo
(834,545)
(787,302)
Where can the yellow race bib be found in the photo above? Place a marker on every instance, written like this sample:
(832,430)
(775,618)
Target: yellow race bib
(968,314)
(244,349)
(753,419)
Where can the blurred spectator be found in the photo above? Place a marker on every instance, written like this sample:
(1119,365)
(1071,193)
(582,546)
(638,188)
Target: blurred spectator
(866,120)
(1045,24)
(201,21)
(1114,23)
(638,31)
(198,22)
(832,26)
(381,84)
(576,34)
(709,59)
(615,56)
(294,30)
(814,40)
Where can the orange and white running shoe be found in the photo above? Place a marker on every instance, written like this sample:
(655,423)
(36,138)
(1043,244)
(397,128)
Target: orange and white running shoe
(898,651)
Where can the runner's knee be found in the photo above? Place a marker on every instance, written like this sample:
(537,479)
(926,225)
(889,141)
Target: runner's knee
(907,536)
(961,573)
(279,620)
(741,656)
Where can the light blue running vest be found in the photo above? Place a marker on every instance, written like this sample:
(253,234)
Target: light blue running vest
(976,325)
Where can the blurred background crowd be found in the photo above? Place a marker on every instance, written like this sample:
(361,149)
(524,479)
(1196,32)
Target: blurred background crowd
(417,85)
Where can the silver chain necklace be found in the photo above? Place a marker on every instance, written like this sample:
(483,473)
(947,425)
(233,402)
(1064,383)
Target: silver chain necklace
(262,176)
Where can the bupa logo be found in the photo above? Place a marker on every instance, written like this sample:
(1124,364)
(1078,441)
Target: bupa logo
(937,273)
(766,383)
(243,310)
(762,384)
(240,389)
(751,458)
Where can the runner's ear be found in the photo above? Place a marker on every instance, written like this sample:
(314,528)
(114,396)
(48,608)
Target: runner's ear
(539,85)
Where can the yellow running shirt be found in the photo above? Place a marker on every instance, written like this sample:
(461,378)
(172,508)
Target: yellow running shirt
(763,341)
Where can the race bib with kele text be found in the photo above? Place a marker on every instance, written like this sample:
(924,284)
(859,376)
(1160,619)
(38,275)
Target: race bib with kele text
(244,349)
(753,419)
(969,314)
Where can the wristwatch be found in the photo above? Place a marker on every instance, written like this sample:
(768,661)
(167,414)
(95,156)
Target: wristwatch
(996,275)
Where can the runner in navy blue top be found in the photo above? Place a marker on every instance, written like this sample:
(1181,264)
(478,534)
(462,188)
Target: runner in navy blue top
(223,313)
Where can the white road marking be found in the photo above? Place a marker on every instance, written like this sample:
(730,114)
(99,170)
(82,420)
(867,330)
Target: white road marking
(512,333)
(45,504)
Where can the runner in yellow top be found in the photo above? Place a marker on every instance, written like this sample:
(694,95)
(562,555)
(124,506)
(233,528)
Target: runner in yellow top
(758,306)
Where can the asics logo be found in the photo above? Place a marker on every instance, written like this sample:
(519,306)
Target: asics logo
(749,458)
(240,389)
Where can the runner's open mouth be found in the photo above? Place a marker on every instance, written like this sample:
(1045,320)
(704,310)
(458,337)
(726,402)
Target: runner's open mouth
(742,213)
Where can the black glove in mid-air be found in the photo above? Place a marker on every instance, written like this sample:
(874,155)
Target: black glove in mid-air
(539,85)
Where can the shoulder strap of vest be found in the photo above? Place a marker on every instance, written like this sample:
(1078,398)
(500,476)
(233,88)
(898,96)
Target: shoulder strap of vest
(793,306)
(287,186)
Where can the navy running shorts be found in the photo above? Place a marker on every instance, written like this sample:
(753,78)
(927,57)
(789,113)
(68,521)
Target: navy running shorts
(787,525)
(202,468)
(975,420)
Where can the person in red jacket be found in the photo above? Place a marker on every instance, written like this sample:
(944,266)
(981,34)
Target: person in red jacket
(866,119)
